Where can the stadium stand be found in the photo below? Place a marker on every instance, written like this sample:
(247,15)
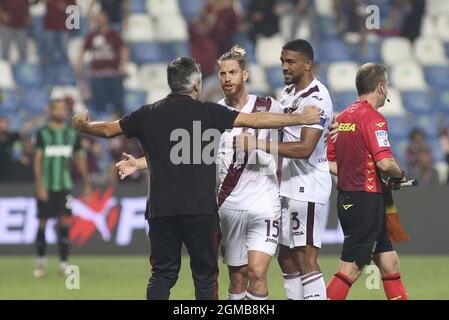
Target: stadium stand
(157,32)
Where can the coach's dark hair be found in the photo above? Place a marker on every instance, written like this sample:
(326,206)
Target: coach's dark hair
(369,76)
(300,45)
(182,75)
(236,53)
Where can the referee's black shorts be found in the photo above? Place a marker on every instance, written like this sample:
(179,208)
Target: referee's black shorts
(361,215)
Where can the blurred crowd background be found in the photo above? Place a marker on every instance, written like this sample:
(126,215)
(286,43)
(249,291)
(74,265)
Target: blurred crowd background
(116,61)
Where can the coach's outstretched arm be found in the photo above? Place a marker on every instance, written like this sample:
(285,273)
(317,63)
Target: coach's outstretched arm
(103,129)
(268,120)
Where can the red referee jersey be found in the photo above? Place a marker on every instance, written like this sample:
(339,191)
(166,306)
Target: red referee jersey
(362,141)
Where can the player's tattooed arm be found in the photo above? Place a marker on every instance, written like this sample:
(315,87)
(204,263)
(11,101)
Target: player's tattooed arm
(129,165)
(103,129)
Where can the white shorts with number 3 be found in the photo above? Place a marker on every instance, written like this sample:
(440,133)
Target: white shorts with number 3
(302,223)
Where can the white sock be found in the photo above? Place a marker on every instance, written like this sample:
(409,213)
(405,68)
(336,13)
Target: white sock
(255,296)
(314,286)
(41,261)
(237,296)
(293,286)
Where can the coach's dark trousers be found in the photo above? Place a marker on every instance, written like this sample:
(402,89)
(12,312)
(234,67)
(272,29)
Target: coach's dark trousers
(201,236)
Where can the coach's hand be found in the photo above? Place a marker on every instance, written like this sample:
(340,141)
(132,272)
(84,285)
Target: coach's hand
(245,142)
(127,166)
(333,130)
(80,121)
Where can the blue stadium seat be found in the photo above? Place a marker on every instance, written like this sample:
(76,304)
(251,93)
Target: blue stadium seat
(134,100)
(37,28)
(417,102)
(334,50)
(137,6)
(60,75)
(28,75)
(428,123)
(176,49)
(437,76)
(34,100)
(443,101)
(398,127)
(84,28)
(399,146)
(274,77)
(437,151)
(342,100)
(370,54)
(243,3)
(8,100)
(144,52)
(190,8)
(327,27)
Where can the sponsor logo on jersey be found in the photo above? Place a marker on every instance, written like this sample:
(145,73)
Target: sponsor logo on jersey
(346,127)
(318,98)
(380,124)
(58,151)
(382,138)
(347,206)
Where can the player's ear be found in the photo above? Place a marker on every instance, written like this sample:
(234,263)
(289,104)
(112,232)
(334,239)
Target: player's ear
(245,75)
(309,65)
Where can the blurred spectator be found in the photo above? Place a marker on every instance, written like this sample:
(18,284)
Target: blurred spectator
(417,144)
(392,25)
(224,20)
(107,68)
(23,168)
(116,10)
(299,9)
(94,152)
(56,36)
(14,19)
(351,15)
(411,24)
(263,18)
(203,46)
(119,145)
(444,140)
(424,170)
(7,140)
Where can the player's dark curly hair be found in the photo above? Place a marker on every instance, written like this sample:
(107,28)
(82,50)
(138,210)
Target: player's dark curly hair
(302,46)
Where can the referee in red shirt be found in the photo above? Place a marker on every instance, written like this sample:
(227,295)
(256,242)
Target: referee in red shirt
(359,157)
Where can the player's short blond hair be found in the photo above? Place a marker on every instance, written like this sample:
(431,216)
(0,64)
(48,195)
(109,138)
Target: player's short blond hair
(236,53)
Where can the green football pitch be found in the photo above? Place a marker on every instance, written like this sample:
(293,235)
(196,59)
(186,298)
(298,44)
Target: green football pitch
(125,277)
